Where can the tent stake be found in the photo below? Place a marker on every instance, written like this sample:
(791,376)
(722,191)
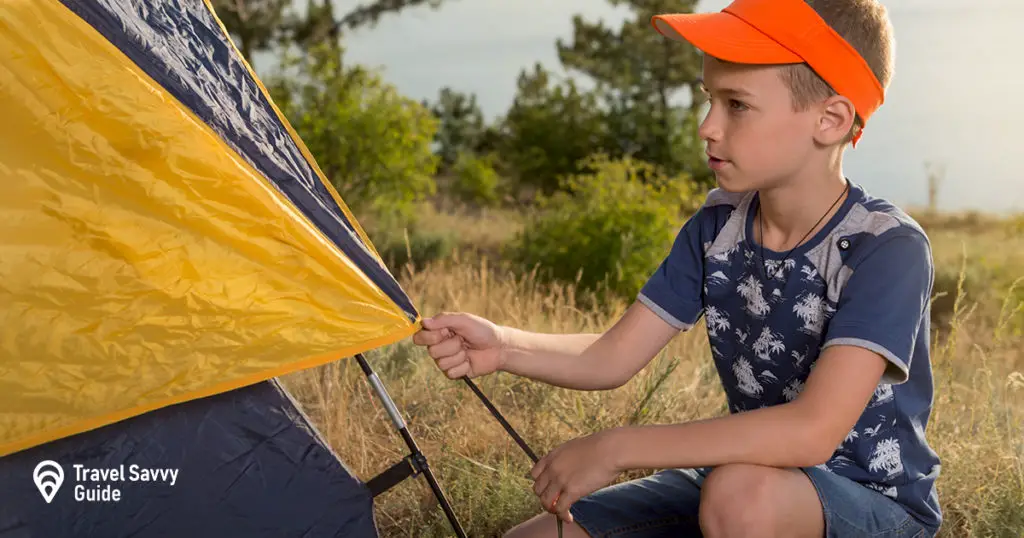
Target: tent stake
(416,457)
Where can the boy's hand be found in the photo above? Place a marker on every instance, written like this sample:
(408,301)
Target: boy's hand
(462,344)
(574,470)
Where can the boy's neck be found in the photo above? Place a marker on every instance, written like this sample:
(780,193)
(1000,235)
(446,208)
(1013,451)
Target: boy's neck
(789,212)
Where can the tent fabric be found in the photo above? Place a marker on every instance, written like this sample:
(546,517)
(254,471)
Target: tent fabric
(248,464)
(180,45)
(164,234)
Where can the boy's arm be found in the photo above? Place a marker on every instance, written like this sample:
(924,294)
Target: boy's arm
(671,301)
(801,433)
(585,361)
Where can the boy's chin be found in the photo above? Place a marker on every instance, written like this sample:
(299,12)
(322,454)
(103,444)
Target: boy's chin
(730,183)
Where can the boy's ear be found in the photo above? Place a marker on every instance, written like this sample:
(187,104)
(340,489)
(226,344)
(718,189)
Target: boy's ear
(837,119)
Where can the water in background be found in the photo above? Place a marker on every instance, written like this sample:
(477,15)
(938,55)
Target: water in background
(956,97)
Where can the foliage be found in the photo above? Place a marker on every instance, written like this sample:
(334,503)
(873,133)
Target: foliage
(461,126)
(640,76)
(475,179)
(413,247)
(256,25)
(549,129)
(253,24)
(371,143)
(609,229)
(367,15)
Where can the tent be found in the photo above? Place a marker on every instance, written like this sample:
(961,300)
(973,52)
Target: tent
(168,249)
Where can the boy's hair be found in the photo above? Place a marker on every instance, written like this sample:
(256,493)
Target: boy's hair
(865,25)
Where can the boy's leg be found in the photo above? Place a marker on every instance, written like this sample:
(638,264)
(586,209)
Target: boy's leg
(754,501)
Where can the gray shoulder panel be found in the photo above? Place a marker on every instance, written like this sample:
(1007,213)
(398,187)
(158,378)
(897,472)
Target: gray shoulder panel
(734,231)
(826,257)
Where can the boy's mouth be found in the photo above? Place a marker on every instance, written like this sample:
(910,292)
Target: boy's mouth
(715,163)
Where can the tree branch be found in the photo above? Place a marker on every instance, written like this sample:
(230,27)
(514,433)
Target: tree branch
(369,14)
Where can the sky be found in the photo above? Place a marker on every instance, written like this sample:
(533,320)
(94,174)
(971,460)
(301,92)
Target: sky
(954,99)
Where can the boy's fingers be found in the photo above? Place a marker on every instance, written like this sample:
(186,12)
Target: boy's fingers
(458,371)
(541,484)
(425,337)
(447,363)
(444,320)
(563,502)
(550,497)
(446,348)
(538,468)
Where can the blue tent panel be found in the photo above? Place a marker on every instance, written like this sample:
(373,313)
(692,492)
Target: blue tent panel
(249,465)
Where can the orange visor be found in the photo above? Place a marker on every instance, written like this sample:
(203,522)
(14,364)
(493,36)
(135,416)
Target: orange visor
(780,32)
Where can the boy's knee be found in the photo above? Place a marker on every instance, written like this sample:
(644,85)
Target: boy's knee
(736,500)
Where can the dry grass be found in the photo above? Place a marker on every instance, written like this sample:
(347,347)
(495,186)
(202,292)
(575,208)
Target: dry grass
(976,426)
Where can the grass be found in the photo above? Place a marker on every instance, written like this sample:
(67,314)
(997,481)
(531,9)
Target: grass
(976,425)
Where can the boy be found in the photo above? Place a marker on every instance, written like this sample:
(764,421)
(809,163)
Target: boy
(816,300)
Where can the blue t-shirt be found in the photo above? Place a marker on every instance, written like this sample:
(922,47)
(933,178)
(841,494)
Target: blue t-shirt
(865,279)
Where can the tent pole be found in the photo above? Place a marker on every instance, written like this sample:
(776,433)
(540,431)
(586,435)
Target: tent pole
(511,431)
(416,456)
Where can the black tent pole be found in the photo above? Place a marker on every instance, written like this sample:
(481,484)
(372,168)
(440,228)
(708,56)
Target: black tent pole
(416,462)
(508,428)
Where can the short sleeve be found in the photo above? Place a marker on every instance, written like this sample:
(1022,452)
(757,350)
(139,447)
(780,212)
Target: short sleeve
(884,305)
(675,290)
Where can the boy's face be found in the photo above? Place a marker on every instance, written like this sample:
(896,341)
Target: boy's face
(755,138)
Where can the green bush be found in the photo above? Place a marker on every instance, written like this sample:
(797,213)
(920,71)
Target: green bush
(475,180)
(372,143)
(607,230)
(551,126)
(415,247)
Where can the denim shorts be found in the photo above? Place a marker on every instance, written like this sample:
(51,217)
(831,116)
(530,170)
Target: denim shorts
(666,504)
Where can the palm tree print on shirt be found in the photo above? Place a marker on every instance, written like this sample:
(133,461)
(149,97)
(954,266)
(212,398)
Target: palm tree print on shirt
(888,491)
(886,457)
(746,382)
(813,310)
(792,390)
(767,344)
(883,393)
(751,290)
(716,321)
(773,268)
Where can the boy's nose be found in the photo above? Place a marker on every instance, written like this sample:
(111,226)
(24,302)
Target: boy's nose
(709,131)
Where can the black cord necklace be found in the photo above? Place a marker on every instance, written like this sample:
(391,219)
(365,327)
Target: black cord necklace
(760,224)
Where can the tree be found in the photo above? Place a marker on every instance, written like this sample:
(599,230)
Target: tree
(549,129)
(253,24)
(368,14)
(639,74)
(256,25)
(372,143)
(461,126)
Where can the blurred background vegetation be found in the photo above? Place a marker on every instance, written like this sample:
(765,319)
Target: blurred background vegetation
(602,177)
(550,217)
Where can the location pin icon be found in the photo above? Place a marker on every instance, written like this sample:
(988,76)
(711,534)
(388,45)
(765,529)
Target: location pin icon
(48,477)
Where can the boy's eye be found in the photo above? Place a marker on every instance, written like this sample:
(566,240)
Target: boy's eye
(737,105)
